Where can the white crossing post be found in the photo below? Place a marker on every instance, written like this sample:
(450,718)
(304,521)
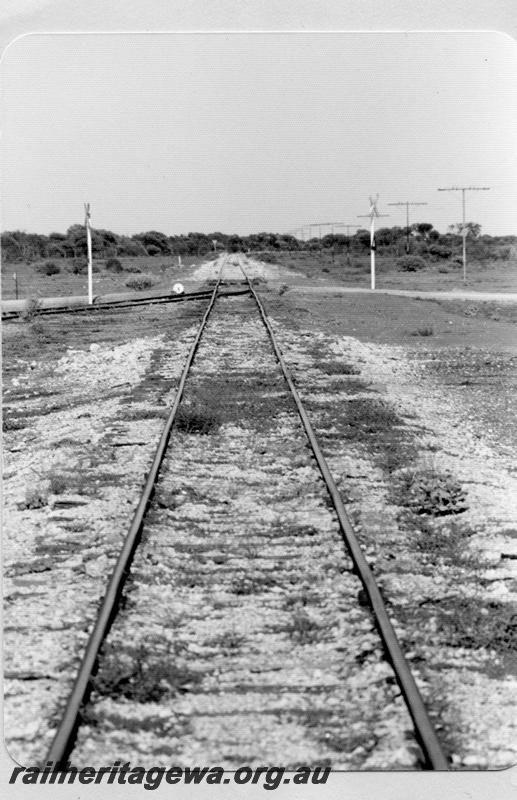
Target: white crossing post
(372,215)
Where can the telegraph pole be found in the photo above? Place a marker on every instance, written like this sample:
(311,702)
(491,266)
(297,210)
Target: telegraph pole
(407,203)
(372,215)
(464,189)
(347,226)
(89,245)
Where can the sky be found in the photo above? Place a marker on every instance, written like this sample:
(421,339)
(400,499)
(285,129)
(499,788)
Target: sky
(250,132)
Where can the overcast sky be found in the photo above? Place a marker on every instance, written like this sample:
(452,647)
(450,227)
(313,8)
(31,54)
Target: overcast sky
(251,132)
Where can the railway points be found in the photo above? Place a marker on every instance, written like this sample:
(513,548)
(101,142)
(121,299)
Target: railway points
(235,557)
(94,660)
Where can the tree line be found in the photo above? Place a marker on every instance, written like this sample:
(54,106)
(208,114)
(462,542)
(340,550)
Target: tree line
(423,240)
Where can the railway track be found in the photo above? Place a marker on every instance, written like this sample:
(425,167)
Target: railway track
(114,305)
(231,630)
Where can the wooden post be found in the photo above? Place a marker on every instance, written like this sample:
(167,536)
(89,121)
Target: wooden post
(89,246)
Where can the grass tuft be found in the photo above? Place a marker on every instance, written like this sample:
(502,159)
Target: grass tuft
(140,283)
(35,497)
(197,417)
(32,306)
(142,674)
(338,368)
(474,624)
(428,491)
(426,330)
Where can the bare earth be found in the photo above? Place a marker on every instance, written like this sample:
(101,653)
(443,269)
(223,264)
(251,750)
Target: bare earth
(74,460)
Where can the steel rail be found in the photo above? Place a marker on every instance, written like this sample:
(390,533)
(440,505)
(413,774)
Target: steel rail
(96,306)
(64,738)
(424,730)
(114,305)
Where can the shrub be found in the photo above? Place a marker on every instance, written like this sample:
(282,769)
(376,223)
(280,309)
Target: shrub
(266,257)
(338,368)
(439,251)
(56,251)
(78,266)
(132,268)
(429,492)
(426,330)
(37,328)
(143,282)
(32,307)
(35,497)
(198,418)
(48,268)
(152,250)
(130,247)
(504,253)
(410,263)
(113,265)
(58,483)
(142,674)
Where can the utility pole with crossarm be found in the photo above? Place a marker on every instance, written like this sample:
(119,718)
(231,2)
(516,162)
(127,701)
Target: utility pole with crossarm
(346,225)
(464,189)
(407,203)
(372,215)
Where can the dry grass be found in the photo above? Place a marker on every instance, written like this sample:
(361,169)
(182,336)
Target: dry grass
(428,491)
(425,330)
(142,674)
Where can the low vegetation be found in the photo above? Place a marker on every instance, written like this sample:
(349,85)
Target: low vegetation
(48,268)
(35,497)
(142,674)
(140,283)
(425,330)
(428,491)
(410,263)
(256,399)
(114,265)
(32,306)
(367,416)
(338,368)
(196,416)
(425,240)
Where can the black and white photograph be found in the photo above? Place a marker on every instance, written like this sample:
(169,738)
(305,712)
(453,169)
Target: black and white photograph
(259,360)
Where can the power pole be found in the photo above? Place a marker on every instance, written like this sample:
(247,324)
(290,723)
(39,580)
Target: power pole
(347,226)
(89,245)
(372,215)
(407,203)
(464,189)
(320,225)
